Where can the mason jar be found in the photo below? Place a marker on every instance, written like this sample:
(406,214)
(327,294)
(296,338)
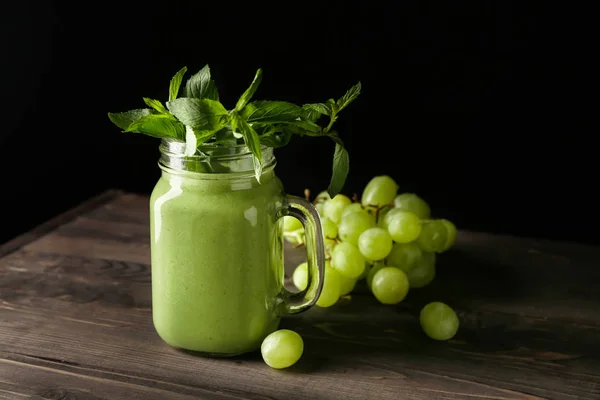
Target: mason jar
(217,249)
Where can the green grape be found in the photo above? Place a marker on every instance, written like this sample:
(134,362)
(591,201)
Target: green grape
(404,256)
(330,229)
(354,207)
(291,224)
(385,218)
(323,196)
(368,267)
(282,348)
(329,245)
(375,244)
(295,237)
(320,201)
(331,288)
(373,270)
(439,321)
(380,215)
(334,207)
(300,276)
(404,226)
(346,285)
(423,272)
(413,203)
(390,285)
(352,225)
(434,235)
(380,191)
(347,260)
(321,208)
(451,237)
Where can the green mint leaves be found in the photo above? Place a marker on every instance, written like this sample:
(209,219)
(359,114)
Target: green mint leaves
(195,115)
(200,86)
(176,83)
(247,95)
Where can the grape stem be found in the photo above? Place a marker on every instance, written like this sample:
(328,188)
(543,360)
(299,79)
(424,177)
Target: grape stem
(378,208)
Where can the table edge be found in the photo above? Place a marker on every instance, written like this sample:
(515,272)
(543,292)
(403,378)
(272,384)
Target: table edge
(54,222)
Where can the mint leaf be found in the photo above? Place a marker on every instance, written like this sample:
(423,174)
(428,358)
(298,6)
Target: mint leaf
(348,97)
(247,95)
(276,139)
(200,86)
(158,125)
(334,107)
(124,119)
(199,114)
(308,127)
(251,140)
(271,112)
(315,110)
(341,166)
(157,105)
(176,83)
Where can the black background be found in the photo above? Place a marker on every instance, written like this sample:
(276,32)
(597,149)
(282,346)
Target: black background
(479,107)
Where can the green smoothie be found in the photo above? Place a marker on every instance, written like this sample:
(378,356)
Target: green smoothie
(217,261)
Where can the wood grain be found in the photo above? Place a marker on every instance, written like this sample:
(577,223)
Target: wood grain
(76,323)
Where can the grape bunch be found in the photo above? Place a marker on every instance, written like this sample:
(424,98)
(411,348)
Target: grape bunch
(389,239)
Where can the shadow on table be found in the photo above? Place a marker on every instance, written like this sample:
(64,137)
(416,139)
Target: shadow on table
(488,297)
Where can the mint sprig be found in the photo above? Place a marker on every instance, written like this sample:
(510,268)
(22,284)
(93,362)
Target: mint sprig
(197,117)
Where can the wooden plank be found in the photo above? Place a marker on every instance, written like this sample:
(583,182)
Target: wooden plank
(60,219)
(129,207)
(362,373)
(36,378)
(95,313)
(54,243)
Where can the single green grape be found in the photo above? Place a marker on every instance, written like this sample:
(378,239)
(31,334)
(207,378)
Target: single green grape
(300,276)
(423,272)
(295,237)
(282,348)
(320,201)
(451,231)
(334,207)
(413,203)
(347,285)
(291,224)
(404,256)
(390,285)
(375,243)
(373,270)
(321,208)
(380,191)
(331,288)
(404,227)
(323,196)
(330,229)
(439,321)
(347,260)
(434,235)
(354,207)
(353,224)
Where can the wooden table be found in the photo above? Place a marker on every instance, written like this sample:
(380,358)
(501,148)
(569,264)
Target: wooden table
(75,323)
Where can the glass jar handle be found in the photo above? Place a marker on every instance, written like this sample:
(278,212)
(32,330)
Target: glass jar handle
(308,215)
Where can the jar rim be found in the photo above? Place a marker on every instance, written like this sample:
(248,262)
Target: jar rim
(206,150)
(212,159)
